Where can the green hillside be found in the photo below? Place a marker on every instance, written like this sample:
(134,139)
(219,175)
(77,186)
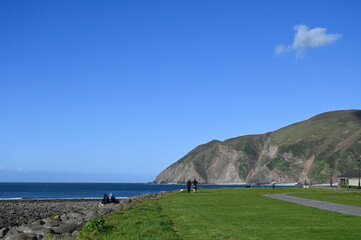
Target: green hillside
(334,139)
(313,150)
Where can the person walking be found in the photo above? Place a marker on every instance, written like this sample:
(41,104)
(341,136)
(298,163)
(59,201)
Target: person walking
(189,185)
(273,183)
(195,184)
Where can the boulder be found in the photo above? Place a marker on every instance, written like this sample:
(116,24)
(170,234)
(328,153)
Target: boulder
(15,235)
(105,211)
(31,229)
(90,214)
(73,216)
(65,228)
(38,222)
(75,233)
(4,231)
(51,222)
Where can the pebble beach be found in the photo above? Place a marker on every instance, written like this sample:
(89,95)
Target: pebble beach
(18,212)
(34,219)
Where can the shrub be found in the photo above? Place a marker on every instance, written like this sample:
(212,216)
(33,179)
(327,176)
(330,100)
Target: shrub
(94,225)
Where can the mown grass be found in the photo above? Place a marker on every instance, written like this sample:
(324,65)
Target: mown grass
(228,214)
(145,220)
(348,198)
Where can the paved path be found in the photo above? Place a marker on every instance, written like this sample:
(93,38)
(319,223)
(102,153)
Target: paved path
(335,207)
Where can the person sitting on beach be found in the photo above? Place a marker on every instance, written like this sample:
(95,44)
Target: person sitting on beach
(105,199)
(112,198)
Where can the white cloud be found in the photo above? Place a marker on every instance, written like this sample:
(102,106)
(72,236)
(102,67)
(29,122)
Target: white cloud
(281,49)
(307,38)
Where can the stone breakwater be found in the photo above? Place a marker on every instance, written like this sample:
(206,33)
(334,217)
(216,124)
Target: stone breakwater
(35,219)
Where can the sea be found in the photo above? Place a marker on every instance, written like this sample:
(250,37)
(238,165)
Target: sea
(87,190)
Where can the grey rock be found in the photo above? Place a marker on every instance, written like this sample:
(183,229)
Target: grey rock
(51,222)
(75,233)
(65,228)
(13,234)
(90,214)
(48,231)
(64,217)
(38,222)
(22,236)
(105,211)
(31,229)
(4,231)
(74,216)
(62,236)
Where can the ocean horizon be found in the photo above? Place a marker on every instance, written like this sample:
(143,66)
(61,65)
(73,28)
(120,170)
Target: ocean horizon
(65,190)
(57,190)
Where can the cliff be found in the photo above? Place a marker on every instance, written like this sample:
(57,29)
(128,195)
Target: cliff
(313,150)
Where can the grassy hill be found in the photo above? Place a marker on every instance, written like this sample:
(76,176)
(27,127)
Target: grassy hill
(313,150)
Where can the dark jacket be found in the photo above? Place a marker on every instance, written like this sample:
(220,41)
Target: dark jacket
(189,183)
(105,199)
(113,200)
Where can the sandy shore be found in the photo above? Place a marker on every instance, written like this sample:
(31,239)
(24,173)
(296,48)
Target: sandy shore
(18,212)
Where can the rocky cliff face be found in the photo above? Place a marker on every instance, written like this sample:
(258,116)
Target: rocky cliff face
(313,150)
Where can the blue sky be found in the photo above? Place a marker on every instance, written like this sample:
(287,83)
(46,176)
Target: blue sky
(118,90)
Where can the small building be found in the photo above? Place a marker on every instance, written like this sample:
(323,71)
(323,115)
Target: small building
(349,178)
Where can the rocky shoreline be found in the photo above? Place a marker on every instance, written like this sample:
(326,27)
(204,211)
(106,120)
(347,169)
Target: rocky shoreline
(35,219)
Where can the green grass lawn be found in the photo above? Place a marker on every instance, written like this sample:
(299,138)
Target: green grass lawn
(228,214)
(348,198)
